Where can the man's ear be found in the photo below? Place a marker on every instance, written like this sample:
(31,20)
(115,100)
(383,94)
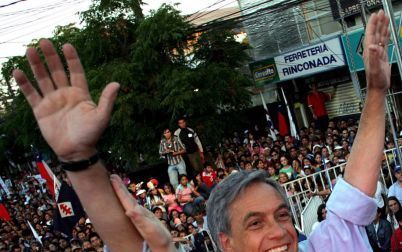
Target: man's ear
(225,242)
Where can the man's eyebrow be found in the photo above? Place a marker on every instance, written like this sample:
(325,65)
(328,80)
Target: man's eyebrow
(250,215)
(253,214)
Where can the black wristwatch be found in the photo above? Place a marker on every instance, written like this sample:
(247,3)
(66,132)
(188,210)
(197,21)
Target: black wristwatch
(79,165)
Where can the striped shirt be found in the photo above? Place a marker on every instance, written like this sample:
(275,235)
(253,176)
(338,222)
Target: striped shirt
(166,147)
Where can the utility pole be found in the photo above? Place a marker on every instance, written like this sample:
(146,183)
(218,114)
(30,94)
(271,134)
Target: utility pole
(394,33)
(363,11)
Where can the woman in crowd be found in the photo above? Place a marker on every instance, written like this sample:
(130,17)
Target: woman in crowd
(393,206)
(317,165)
(155,199)
(184,193)
(286,167)
(298,172)
(170,198)
(283,178)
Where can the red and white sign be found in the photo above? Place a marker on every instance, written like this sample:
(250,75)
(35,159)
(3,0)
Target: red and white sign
(65,209)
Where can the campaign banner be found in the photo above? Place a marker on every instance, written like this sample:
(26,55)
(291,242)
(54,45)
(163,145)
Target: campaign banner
(320,57)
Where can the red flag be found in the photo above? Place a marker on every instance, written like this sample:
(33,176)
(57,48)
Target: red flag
(282,122)
(52,182)
(4,215)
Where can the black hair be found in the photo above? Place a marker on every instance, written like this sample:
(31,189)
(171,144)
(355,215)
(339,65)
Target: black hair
(396,200)
(181,176)
(398,216)
(319,212)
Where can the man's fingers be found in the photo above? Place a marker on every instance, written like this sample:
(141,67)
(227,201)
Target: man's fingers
(378,28)
(42,76)
(385,31)
(371,30)
(77,74)
(54,63)
(30,93)
(148,226)
(144,221)
(126,199)
(107,99)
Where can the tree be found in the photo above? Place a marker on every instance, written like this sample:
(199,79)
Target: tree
(165,71)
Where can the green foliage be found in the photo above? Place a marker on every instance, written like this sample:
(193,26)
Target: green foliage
(159,64)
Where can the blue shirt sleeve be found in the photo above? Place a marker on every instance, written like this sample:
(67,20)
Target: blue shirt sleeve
(348,211)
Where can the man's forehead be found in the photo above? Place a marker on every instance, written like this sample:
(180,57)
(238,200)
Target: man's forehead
(256,197)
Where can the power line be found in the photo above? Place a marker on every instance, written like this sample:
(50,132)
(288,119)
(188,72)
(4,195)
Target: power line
(207,13)
(45,16)
(12,3)
(195,14)
(23,35)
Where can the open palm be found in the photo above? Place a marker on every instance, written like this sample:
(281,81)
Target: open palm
(378,68)
(69,120)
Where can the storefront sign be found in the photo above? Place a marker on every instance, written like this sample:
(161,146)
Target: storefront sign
(351,7)
(313,59)
(356,39)
(264,72)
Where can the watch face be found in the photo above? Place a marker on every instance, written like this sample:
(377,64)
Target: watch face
(190,135)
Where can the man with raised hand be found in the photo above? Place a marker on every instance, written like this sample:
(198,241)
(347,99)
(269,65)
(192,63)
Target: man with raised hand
(250,212)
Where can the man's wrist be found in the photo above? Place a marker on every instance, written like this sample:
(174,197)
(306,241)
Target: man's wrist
(77,156)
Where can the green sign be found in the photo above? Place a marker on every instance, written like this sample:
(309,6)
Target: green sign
(356,39)
(264,72)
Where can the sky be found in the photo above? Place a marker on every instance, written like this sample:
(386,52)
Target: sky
(32,19)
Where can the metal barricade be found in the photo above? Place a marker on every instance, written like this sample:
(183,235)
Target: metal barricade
(300,191)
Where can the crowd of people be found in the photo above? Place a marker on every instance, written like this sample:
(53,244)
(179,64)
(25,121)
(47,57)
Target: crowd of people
(31,226)
(181,203)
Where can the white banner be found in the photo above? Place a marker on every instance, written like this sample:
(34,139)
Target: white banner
(309,60)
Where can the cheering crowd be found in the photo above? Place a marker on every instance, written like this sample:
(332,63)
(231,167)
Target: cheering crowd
(30,221)
(240,219)
(180,204)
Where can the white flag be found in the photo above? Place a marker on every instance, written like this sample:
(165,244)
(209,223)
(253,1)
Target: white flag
(4,186)
(35,234)
(293,131)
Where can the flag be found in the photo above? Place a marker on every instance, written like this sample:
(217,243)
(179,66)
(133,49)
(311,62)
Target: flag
(68,211)
(47,174)
(272,130)
(4,215)
(35,234)
(282,122)
(4,186)
(293,131)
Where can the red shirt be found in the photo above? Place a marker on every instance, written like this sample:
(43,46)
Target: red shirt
(396,241)
(209,178)
(317,101)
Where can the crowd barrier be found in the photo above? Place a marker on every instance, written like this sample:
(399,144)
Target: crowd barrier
(302,196)
(186,243)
